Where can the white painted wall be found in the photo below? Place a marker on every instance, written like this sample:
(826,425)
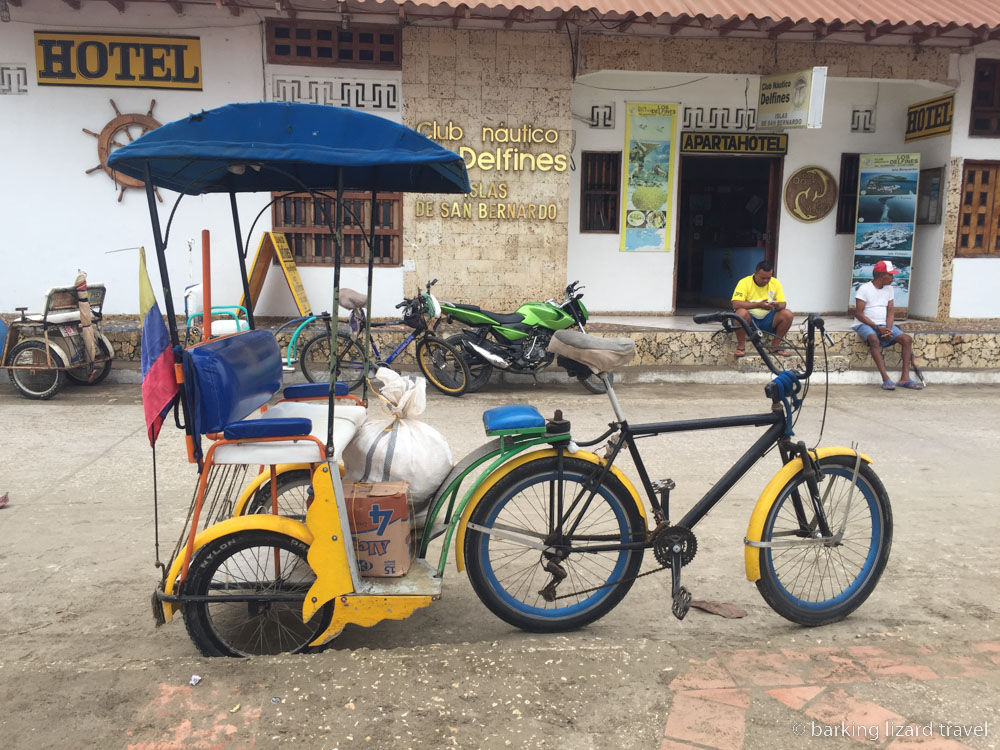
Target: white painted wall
(814,263)
(974,280)
(56,219)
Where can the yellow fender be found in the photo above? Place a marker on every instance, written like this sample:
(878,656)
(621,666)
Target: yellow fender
(328,558)
(259,480)
(262,522)
(751,555)
(507,468)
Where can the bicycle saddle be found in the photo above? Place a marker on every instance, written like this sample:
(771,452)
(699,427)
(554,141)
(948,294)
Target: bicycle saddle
(352,300)
(597,353)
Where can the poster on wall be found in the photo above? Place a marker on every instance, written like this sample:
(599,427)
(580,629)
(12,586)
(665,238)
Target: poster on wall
(650,158)
(887,213)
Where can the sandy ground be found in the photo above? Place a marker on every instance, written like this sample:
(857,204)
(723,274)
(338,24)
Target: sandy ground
(82,664)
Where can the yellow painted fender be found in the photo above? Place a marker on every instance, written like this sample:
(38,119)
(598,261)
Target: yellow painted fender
(751,555)
(259,480)
(507,468)
(260,521)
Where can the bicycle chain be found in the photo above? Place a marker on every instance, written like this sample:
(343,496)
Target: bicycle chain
(640,575)
(613,583)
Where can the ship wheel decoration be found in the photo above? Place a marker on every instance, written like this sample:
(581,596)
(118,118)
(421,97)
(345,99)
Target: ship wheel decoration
(121,130)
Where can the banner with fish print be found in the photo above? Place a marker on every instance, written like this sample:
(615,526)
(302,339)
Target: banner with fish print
(650,159)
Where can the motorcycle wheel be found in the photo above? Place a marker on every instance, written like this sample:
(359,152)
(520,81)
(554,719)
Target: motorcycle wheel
(595,385)
(479,371)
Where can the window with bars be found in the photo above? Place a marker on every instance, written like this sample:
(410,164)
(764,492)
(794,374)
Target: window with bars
(324,43)
(600,189)
(979,217)
(847,200)
(985,116)
(305,221)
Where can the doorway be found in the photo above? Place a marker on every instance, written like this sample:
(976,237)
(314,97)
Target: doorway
(728,223)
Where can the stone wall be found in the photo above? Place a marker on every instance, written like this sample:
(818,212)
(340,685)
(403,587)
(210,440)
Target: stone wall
(757,57)
(978,350)
(501,80)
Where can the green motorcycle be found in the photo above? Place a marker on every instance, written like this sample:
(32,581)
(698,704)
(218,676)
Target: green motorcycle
(517,342)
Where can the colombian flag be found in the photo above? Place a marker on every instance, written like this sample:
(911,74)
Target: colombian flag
(159,385)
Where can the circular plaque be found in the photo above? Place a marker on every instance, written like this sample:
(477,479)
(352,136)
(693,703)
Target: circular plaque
(810,194)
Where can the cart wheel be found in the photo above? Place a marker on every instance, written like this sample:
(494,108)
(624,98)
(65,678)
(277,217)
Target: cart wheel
(81,375)
(38,379)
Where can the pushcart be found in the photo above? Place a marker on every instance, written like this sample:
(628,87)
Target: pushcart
(551,533)
(42,350)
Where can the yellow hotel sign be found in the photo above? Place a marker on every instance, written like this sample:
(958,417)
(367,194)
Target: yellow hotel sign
(930,118)
(133,61)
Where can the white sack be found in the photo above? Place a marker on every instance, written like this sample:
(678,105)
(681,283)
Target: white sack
(400,448)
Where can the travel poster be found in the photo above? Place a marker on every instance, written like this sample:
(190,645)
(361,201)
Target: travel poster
(650,158)
(887,214)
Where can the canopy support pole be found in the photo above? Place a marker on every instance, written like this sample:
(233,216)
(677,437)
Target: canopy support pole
(338,241)
(161,258)
(243,261)
(368,305)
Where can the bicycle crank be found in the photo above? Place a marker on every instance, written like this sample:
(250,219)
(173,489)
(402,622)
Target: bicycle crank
(674,547)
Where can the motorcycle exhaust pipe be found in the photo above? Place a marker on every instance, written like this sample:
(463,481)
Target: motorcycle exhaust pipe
(490,357)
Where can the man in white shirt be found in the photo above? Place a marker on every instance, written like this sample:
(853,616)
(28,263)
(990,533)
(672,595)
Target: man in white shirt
(874,313)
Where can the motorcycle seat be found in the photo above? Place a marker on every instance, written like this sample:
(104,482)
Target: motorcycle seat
(505,318)
(597,353)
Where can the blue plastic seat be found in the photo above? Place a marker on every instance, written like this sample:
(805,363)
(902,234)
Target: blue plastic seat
(313,390)
(513,419)
(267,428)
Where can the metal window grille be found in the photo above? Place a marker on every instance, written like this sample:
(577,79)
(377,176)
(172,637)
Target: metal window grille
(325,43)
(305,221)
(600,188)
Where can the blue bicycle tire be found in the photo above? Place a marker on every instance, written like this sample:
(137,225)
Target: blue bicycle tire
(507,576)
(818,584)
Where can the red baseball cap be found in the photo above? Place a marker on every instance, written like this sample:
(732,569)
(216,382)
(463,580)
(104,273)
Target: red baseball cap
(885,266)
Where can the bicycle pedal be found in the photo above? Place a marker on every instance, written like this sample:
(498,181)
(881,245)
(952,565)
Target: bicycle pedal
(682,603)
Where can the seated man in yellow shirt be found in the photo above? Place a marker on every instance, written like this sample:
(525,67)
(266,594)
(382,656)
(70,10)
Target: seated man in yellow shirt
(760,300)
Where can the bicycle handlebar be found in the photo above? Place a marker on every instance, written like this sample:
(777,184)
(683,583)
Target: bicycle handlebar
(730,320)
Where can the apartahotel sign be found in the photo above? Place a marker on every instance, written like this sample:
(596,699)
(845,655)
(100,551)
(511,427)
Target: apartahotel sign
(121,60)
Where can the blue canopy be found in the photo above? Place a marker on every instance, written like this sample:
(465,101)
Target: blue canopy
(277,146)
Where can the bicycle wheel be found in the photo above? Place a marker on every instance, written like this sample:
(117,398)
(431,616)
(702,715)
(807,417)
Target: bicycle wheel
(293,495)
(505,564)
(442,365)
(315,360)
(816,583)
(81,375)
(42,381)
(479,370)
(252,563)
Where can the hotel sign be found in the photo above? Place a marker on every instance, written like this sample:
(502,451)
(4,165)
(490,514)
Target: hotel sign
(930,118)
(132,60)
(734,143)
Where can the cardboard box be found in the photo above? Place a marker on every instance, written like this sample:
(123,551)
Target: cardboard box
(381,521)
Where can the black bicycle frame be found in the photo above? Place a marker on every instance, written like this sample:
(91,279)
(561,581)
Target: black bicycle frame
(627,434)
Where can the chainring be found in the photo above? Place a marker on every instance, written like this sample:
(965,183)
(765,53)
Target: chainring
(669,537)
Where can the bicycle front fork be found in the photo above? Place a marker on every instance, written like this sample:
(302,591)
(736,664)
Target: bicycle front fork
(813,475)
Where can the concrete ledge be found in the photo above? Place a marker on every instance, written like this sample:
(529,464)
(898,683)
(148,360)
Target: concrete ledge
(125,372)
